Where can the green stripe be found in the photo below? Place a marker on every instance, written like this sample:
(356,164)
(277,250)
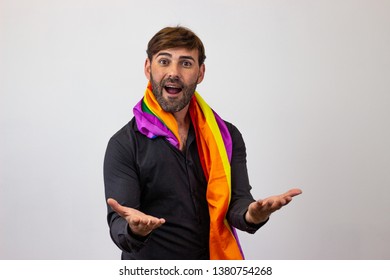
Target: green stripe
(146,109)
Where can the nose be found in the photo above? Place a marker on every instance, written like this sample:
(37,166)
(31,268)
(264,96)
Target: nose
(173,71)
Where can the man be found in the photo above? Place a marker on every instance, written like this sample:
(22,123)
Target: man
(176,180)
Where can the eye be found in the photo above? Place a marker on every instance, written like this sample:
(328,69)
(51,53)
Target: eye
(163,61)
(187,63)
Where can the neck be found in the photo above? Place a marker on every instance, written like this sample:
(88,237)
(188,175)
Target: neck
(183,123)
(182,117)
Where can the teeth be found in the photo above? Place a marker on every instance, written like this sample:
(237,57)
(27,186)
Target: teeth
(172,89)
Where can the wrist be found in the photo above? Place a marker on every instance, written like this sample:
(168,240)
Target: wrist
(136,236)
(251,220)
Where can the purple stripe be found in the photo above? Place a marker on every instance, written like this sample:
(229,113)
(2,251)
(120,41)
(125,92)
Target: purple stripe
(238,241)
(227,139)
(151,126)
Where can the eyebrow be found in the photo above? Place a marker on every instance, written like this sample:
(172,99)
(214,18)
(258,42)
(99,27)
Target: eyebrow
(181,57)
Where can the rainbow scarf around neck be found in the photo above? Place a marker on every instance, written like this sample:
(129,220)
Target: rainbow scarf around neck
(215,150)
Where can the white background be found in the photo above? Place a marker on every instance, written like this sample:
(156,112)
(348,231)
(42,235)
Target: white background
(306,82)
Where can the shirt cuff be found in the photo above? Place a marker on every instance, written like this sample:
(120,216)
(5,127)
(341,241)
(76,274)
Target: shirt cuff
(250,227)
(136,242)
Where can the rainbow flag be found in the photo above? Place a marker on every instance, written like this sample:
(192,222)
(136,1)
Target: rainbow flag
(215,151)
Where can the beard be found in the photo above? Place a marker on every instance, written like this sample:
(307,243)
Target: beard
(171,104)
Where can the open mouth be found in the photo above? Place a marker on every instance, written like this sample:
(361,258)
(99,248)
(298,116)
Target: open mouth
(173,89)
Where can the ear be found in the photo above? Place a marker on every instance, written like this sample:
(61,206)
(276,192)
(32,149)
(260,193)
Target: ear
(202,70)
(147,68)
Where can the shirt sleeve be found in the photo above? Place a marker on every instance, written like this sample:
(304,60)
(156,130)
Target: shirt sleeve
(241,190)
(122,184)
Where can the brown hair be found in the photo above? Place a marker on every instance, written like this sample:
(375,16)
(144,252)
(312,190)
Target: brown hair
(175,37)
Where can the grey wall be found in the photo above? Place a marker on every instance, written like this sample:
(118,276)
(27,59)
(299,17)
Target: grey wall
(306,82)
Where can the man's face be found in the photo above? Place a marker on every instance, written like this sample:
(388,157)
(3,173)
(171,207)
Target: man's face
(174,75)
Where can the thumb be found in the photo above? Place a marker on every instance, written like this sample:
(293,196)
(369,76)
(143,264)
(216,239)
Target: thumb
(116,206)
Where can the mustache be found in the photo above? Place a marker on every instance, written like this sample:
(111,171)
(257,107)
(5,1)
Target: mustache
(174,80)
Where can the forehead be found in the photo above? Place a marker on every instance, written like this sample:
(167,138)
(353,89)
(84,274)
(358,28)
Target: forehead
(178,52)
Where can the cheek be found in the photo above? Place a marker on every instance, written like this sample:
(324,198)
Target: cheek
(156,76)
(161,77)
(192,78)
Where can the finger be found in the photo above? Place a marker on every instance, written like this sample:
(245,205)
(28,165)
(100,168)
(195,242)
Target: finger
(112,202)
(278,203)
(134,221)
(144,227)
(116,207)
(151,222)
(287,199)
(293,192)
(144,222)
(267,203)
(156,222)
(256,206)
(139,224)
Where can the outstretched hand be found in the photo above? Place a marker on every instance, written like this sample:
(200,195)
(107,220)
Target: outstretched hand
(259,211)
(139,223)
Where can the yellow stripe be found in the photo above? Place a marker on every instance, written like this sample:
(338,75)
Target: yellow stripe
(220,145)
(210,120)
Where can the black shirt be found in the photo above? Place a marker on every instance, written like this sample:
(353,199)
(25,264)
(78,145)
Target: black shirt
(154,177)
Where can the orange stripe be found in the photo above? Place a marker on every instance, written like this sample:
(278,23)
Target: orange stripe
(223,244)
(167,118)
(216,167)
